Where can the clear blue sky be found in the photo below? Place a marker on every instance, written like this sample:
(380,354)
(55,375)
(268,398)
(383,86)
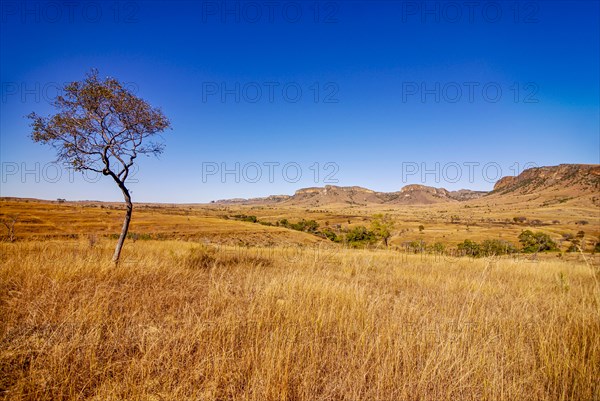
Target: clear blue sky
(388,89)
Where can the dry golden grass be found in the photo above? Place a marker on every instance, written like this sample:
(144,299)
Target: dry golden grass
(51,220)
(478,220)
(180,321)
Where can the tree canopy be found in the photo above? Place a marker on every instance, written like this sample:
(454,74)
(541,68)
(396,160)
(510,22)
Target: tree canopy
(101,126)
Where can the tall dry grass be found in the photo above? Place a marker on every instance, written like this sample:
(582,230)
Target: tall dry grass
(178,321)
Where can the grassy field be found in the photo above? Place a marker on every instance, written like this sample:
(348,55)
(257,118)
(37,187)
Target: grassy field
(181,320)
(477,220)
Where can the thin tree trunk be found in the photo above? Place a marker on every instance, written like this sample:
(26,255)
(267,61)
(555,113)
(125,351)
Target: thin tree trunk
(125,228)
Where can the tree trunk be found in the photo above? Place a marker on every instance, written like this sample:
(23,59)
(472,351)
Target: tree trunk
(125,228)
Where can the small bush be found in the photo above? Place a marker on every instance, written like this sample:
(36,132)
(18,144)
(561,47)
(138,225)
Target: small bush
(310,226)
(360,236)
(416,246)
(330,235)
(437,248)
(243,217)
(489,247)
(469,248)
(494,247)
(536,242)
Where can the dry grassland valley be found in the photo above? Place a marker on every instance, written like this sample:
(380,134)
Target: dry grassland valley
(333,293)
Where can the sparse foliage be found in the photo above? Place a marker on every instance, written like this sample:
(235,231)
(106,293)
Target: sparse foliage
(495,247)
(437,248)
(416,246)
(382,226)
(102,127)
(489,247)
(469,248)
(9,223)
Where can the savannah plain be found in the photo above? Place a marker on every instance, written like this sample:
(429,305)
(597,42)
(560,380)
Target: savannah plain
(205,305)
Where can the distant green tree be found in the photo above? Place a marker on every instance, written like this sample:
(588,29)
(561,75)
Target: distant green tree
(360,236)
(382,226)
(309,226)
(494,247)
(243,217)
(536,242)
(416,246)
(469,248)
(437,248)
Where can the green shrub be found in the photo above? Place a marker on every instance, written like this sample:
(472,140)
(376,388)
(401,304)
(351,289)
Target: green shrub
(309,226)
(382,226)
(493,247)
(536,242)
(243,217)
(330,235)
(489,247)
(416,246)
(469,248)
(360,236)
(437,247)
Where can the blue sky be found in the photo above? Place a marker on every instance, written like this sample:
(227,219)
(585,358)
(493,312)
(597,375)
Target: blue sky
(377,94)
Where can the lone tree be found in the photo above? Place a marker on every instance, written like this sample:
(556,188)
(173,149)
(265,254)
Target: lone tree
(9,222)
(382,226)
(102,127)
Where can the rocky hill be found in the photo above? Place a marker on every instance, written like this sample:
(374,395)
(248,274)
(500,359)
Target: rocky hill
(563,181)
(576,178)
(331,194)
(416,194)
(267,200)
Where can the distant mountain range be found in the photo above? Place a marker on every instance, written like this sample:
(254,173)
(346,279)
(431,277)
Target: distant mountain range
(577,179)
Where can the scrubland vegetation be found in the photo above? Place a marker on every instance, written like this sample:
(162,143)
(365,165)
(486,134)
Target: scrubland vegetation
(181,320)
